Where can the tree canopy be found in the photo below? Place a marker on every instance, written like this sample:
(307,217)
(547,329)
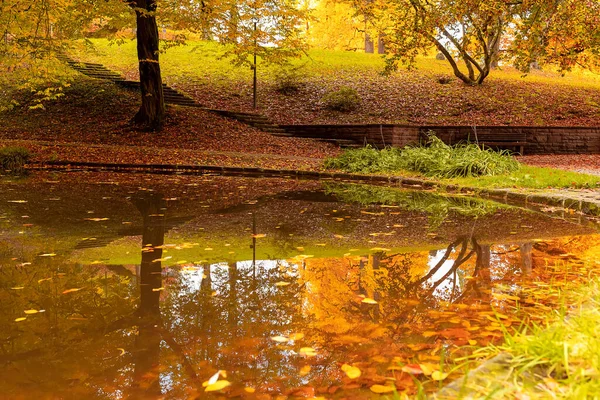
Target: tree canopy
(473,35)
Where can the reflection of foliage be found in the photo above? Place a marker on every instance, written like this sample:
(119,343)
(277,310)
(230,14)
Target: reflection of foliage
(214,318)
(438,208)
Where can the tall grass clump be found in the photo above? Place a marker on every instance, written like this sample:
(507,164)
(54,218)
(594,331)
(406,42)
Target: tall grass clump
(437,160)
(367,160)
(13,159)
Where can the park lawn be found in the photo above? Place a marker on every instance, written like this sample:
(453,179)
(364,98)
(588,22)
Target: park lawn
(405,97)
(531,177)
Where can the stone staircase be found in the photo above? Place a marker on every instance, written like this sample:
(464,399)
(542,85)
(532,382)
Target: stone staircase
(256,120)
(174,97)
(99,71)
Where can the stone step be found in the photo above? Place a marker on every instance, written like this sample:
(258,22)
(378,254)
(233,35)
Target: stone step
(340,142)
(276,130)
(265,126)
(281,134)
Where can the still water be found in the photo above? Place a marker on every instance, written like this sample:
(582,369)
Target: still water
(145,287)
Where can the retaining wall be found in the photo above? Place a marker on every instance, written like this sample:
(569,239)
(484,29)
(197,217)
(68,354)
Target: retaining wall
(540,140)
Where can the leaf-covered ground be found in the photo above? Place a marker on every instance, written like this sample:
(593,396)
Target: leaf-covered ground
(408,96)
(91,124)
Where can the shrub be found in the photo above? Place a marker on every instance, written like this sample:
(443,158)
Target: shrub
(288,81)
(13,159)
(346,99)
(436,160)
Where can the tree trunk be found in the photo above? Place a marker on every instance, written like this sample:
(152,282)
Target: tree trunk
(152,112)
(381,44)
(369,45)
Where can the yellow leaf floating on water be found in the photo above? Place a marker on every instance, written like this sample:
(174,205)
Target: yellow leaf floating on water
(414,369)
(259,235)
(20,319)
(18,288)
(427,368)
(382,389)
(218,385)
(438,376)
(71,290)
(158,289)
(213,379)
(249,389)
(29,312)
(429,333)
(367,300)
(121,351)
(297,336)
(308,352)
(351,372)
(305,370)
(282,283)
(96,219)
(280,339)
(47,255)
(472,342)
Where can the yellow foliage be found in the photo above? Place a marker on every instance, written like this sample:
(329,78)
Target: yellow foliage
(335,27)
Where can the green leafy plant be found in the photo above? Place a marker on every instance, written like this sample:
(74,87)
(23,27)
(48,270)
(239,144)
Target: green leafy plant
(346,99)
(13,159)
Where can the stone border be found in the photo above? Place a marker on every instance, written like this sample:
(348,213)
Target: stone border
(581,206)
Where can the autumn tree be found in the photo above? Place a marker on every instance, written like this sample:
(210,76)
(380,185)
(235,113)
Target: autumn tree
(152,110)
(468,33)
(564,33)
(34,31)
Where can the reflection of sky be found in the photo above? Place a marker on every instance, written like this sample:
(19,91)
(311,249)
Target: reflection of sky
(446,285)
(192,279)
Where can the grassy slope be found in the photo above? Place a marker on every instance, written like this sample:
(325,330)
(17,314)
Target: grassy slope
(541,98)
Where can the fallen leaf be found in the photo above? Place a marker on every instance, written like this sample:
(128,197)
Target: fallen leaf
(414,369)
(308,352)
(382,389)
(71,290)
(351,372)
(368,301)
(218,385)
(438,376)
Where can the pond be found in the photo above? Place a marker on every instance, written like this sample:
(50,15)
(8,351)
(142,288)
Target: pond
(120,286)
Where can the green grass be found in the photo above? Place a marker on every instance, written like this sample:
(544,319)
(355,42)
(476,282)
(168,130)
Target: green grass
(533,178)
(558,358)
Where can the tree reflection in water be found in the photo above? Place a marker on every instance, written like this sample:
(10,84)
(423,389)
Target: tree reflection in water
(161,332)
